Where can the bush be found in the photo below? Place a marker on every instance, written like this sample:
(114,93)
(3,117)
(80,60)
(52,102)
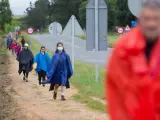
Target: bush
(2,33)
(10,27)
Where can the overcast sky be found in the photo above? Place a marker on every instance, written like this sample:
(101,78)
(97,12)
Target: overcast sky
(19,6)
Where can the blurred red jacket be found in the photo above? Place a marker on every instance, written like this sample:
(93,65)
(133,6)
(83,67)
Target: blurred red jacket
(19,32)
(132,92)
(13,46)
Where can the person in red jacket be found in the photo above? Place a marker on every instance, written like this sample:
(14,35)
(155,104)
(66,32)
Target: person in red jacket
(19,32)
(133,73)
(13,47)
(18,49)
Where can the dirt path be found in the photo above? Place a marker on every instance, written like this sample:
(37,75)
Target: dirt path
(37,102)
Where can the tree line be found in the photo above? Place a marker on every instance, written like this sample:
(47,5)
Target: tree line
(41,13)
(5,14)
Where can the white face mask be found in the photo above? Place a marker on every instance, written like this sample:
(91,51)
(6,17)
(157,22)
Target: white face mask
(60,48)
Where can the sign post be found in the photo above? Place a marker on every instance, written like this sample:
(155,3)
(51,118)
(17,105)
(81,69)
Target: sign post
(67,31)
(55,29)
(96,27)
(120,30)
(96,35)
(135,6)
(73,33)
(30,30)
(127,29)
(91,25)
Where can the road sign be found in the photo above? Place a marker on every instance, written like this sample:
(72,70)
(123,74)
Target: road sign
(135,6)
(127,29)
(68,28)
(16,28)
(133,23)
(55,28)
(96,25)
(120,30)
(30,30)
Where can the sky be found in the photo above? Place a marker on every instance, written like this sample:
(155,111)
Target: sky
(19,6)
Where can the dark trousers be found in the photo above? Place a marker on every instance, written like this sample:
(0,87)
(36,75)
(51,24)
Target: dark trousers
(25,74)
(41,75)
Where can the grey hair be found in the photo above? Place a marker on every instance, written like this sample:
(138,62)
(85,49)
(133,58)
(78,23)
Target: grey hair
(152,4)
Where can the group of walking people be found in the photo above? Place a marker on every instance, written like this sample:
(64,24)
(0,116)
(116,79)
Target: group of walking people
(13,44)
(55,71)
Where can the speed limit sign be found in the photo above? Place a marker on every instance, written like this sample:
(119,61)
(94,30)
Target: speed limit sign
(120,30)
(30,30)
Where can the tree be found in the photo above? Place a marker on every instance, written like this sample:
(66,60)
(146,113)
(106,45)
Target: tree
(5,13)
(64,9)
(112,21)
(123,13)
(112,14)
(82,13)
(45,12)
(38,13)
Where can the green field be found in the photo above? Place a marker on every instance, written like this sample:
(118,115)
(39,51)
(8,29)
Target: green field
(17,17)
(83,80)
(3,48)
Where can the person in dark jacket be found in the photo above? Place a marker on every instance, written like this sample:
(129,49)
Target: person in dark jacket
(23,42)
(26,60)
(60,71)
(7,42)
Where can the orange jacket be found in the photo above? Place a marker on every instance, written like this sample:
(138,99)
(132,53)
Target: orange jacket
(132,93)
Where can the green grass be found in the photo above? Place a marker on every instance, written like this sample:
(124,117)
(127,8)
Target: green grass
(3,48)
(93,104)
(16,17)
(112,38)
(83,37)
(83,80)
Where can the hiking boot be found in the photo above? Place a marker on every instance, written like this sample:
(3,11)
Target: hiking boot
(63,98)
(55,95)
(24,78)
(43,84)
(39,82)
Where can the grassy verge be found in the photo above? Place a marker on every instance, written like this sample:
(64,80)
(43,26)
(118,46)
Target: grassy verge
(112,38)
(83,80)
(2,45)
(83,37)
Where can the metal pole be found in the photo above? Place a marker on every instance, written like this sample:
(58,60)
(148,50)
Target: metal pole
(73,33)
(56,29)
(96,34)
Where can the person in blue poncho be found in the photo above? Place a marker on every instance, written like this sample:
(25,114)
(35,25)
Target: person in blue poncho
(60,71)
(7,42)
(43,60)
